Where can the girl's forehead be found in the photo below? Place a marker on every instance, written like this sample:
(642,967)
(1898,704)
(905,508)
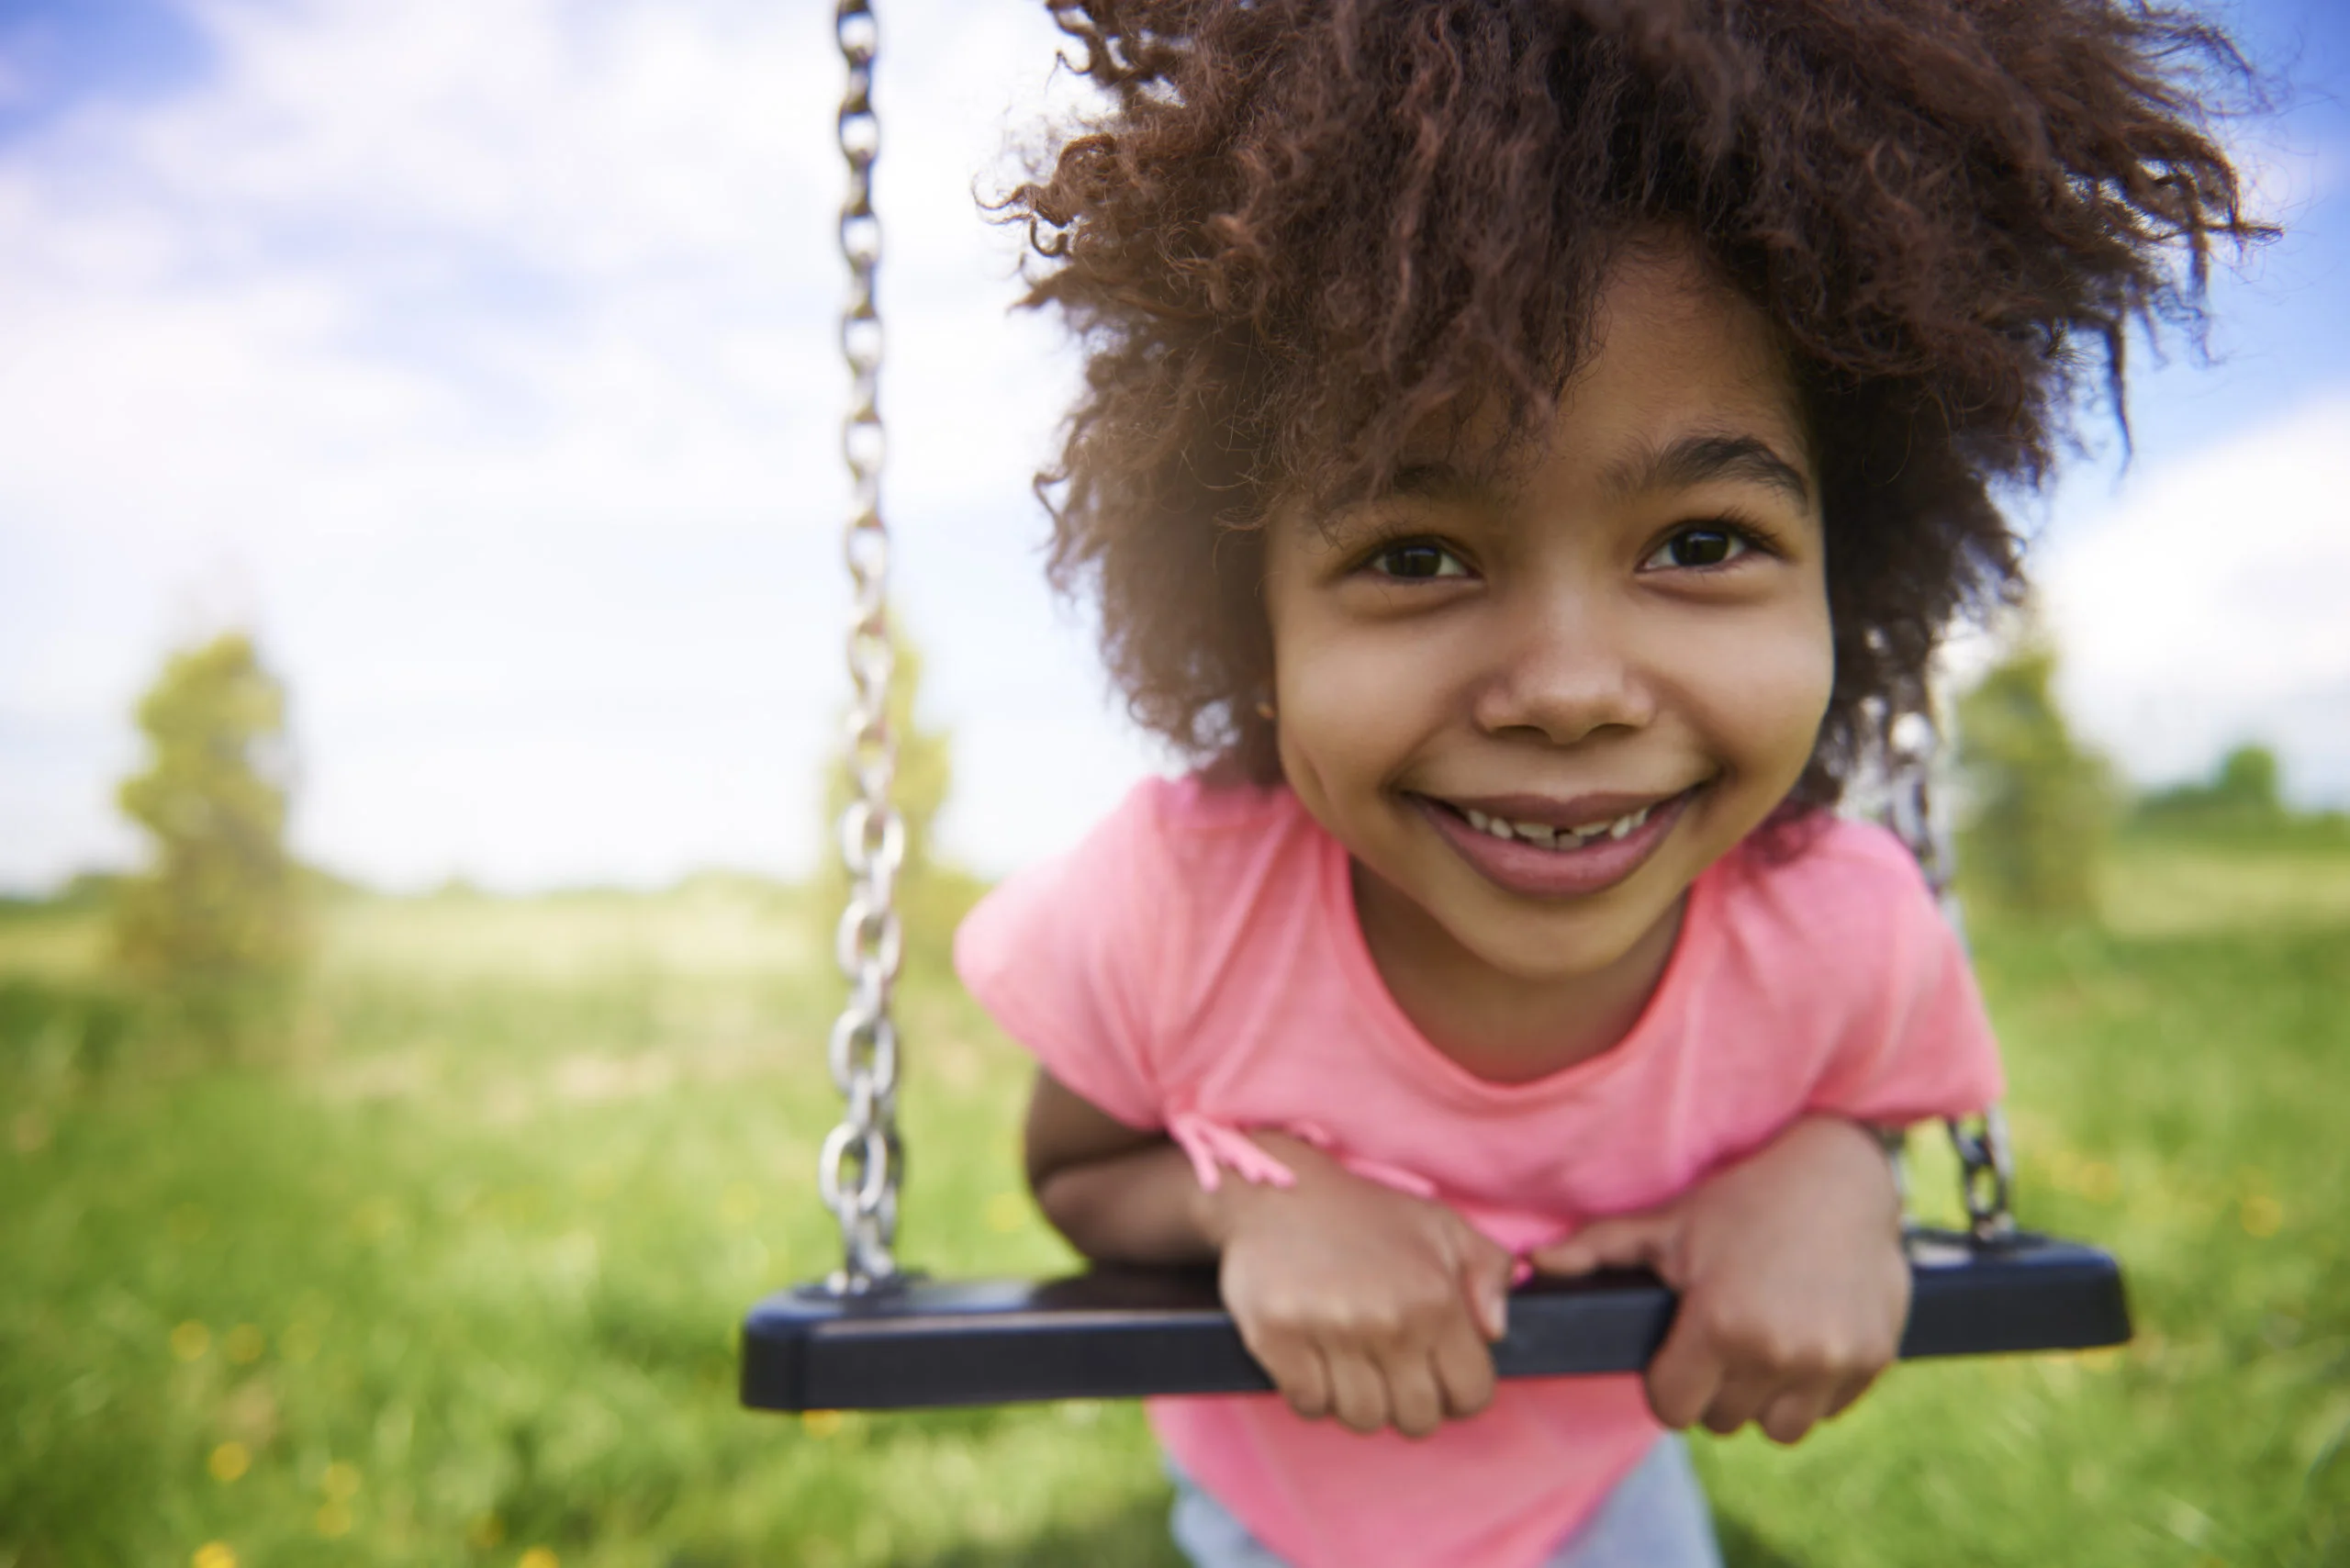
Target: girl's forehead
(1675,354)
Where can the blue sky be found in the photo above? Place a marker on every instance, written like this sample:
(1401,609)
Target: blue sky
(480,356)
(62,53)
(2284,323)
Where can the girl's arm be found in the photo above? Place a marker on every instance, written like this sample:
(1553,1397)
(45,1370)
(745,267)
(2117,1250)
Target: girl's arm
(1794,1285)
(1375,1306)
(1121,1195)
(1358,1302)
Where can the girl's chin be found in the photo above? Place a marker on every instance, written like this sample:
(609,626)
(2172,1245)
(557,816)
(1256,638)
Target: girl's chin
(1557,951)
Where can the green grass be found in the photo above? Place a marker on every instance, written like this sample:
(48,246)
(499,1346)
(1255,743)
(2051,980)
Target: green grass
(456,1278)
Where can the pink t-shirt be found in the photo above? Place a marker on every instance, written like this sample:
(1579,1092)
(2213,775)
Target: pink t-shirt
(1199,954)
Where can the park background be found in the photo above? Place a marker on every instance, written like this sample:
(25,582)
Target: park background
(478,361)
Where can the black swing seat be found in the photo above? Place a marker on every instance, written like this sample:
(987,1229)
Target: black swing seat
(1124,1333)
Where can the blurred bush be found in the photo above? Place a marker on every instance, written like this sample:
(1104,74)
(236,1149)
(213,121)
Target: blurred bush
(2242,803)
(216,919)
(2043,806)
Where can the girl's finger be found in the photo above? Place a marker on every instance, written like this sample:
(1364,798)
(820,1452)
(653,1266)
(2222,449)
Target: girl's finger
(1849,1390)
(1791,1413)
(1295,1365)
(1620,1242)
(1485,1272)
(1415,1402)
(1685,1375)
(1738,1401)
(1303,1379)
(1357,1392)
(1464,1370)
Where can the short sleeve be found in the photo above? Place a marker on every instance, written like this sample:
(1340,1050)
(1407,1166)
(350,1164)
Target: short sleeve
(1922,1044)
(1069,957)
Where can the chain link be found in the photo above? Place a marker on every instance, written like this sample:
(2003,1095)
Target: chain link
(1912,751)
(863,1161)
(1986,1164)
(1986,1174)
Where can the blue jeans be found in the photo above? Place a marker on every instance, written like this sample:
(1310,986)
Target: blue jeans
(1656,1517)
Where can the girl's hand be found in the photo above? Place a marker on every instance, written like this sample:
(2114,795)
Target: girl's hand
(1360,1301)
(1794,1287)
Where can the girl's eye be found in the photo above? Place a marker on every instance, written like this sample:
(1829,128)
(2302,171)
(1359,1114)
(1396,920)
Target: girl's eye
(1417,560)
(1698,547)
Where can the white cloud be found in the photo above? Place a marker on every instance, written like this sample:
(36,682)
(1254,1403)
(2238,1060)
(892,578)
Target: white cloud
(2209,605)
(2284,168)
(489,350)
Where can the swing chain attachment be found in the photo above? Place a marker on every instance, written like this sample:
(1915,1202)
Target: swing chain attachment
(1985,1162)
(1986,1173)
(863,1161)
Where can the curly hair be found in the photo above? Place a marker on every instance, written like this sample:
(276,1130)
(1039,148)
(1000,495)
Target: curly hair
(1300,228)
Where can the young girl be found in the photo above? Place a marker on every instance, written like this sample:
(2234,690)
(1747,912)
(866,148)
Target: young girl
(1529,452)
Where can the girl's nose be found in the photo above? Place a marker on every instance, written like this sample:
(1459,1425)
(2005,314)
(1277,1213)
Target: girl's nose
(1564,671)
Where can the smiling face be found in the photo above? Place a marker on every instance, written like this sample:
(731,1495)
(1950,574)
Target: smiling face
(1535,697)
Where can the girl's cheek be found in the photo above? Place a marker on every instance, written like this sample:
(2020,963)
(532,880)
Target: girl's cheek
(1774,689)
(1352,706)
(1750,685)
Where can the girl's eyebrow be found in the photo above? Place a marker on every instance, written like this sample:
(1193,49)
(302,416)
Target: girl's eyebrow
(1694,460)
(1435,479)
(1431,479)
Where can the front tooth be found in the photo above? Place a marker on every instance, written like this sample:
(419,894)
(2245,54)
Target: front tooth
(1499,828)
(1477,819)
(1535,833)
(1628,823)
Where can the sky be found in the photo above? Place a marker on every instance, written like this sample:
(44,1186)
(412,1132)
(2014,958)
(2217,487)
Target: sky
(479,355)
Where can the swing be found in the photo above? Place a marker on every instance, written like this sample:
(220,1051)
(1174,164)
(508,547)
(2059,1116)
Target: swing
(874,1337)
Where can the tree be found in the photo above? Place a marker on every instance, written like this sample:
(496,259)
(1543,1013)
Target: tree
(2248,782)
(217,910)
(2245,791)
(2042,804)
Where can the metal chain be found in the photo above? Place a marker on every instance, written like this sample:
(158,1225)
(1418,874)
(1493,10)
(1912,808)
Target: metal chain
(1985,1162)
(1986,1173)
(863,1161)
(1912,750)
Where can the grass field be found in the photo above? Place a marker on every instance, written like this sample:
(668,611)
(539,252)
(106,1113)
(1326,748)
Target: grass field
(455,1280)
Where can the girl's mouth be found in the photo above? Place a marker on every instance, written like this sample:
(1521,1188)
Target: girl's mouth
(1587,854)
